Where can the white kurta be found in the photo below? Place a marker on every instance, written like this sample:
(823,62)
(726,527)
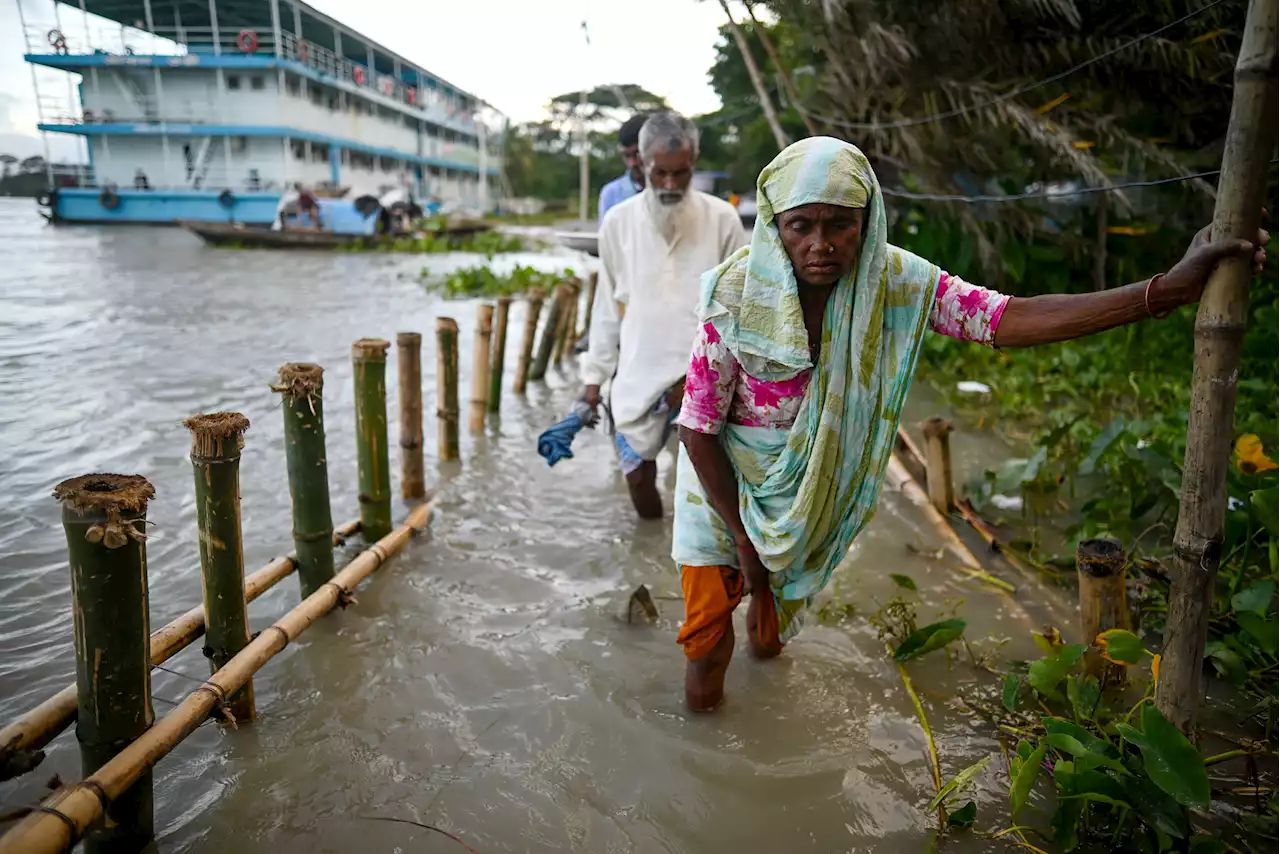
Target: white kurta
(648,340)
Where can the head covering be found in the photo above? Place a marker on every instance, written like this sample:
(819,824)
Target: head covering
(804,493)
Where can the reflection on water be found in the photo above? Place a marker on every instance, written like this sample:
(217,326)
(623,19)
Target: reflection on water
(485,683)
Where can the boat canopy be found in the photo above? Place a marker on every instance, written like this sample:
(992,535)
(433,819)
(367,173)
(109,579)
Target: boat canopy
(235,15)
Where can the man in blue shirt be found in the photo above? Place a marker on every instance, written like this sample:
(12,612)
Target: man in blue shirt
(625,186)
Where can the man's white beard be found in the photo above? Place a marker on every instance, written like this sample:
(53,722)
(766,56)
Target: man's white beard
(666,218)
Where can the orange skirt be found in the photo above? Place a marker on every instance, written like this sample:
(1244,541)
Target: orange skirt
(711,593)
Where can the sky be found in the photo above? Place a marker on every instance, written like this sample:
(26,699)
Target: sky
(515,54)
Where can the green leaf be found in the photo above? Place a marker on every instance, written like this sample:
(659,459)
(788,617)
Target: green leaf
(1020,790)
(1009,695)
(1033,465)
(1045,674)
(1121,647)
(1084,694)
(1169,759)
(1266,506)
(964,778)
(1157,809)
(1226,662)
(963,817)
(1102,444)
(928,638)
(1265,632)
(1084,756)
(903,581)
(1256,598)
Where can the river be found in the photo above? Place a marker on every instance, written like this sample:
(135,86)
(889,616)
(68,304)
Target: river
(484,683)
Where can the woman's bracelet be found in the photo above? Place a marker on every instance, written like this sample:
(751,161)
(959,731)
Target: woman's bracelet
(1146,298)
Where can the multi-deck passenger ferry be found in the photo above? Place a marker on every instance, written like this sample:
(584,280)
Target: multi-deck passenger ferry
(213,110)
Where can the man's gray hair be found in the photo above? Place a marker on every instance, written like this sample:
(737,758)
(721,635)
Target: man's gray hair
(667,130)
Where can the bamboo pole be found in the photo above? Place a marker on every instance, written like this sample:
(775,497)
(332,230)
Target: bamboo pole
(1220,326)
(1103,604)
(79,806)
(562,327)
(788,86)
(216,441)
(550,330)
(498,362)
(301,387)
(569,335)
(480,368)
(937,445)
(369,370)
(447,388)
(413,484)
(593,281)
(762,94)
(104,517)
(533,308)
(909,456)
(22,739)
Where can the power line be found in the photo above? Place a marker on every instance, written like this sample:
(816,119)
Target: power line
(960,111)
(1045,194)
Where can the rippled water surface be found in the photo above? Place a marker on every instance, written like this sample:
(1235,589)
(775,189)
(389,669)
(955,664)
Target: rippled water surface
(484,683)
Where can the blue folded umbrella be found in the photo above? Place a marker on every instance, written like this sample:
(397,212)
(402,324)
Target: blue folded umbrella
(555,443)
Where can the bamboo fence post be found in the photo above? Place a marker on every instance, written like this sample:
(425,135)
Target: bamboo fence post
(301,386)
(216,441)
(20,742)
(937,447)
(565,292)
(80,805)
(1103,604)
(569,336)
(533,309)
(480,368)
(593,280)
(1220,326)
(104,518)
(447,388)
(498,362)
(369,370)
(413,485)
(549,331)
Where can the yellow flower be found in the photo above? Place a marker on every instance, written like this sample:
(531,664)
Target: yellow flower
(1250,457)
(1155,669)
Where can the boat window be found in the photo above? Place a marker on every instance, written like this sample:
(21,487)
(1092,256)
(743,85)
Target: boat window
(233,81)
(299,149)
(319,153)
(292,85)
(257,82)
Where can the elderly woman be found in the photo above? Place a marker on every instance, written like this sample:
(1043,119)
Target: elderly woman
(806,348)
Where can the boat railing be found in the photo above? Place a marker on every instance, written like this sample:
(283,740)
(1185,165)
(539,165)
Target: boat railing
(122,42)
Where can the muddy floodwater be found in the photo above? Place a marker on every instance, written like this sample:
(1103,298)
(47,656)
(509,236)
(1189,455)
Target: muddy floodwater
(484,683)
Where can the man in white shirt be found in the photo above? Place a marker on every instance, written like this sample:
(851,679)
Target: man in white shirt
(654,248)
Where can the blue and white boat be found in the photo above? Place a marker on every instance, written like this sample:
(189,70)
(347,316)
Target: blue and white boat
(212,110)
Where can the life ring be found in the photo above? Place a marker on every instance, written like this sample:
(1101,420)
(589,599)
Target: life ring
(227,199)
(247,41)
(109,199)
(57,41)
(357,74)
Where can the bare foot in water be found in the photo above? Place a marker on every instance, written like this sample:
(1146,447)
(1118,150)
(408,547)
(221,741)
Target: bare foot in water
(704,677)
(762,627)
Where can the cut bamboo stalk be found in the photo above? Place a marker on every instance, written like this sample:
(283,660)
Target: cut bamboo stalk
(480,368)
(413,483)
(38,727)
(550,329)
(565,326)
(447,388)
(569,336)
(533,308)
(593,280)
(498,363)
(216,440)
(79,806)
(937,444)
(1103,604)
(104,517)
(302,399)
(1220,326)
(369,370)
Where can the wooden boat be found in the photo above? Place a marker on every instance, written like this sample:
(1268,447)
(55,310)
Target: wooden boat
(264,237)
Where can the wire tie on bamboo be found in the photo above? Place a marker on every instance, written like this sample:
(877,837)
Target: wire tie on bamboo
(221,710)
(345,597)
(71,825)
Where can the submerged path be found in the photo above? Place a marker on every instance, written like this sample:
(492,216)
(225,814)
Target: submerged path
(485,684)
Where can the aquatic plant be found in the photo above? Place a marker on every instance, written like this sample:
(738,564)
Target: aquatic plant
(482,281)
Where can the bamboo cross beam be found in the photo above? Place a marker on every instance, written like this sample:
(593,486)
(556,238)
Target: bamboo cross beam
(21,741)
(69,813)
(1220,326)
